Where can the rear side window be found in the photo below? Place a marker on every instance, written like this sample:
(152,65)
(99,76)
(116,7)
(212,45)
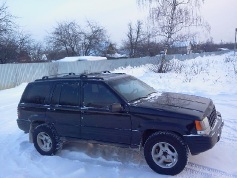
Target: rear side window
(36,93)
(66,94)
(69,95)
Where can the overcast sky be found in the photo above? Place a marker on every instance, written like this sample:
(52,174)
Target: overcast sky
(38,17)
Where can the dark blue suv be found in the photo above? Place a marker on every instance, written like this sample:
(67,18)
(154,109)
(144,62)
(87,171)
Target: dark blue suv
(118,109)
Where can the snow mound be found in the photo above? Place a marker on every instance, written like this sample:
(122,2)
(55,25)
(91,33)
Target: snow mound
(81,58)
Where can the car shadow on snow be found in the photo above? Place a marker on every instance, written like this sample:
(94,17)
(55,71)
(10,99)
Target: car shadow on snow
(102,152)
(111,156)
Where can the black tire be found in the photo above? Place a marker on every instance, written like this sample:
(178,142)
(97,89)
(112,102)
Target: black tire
(46,140)
(166,153)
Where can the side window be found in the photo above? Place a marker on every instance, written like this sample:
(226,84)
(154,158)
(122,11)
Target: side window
(69,95)
(56,94)
(98,95)
(66,94)
(36,93)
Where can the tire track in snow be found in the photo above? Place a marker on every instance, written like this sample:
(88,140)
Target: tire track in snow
(197,170)
(229,134)
(228,140)
(232,126)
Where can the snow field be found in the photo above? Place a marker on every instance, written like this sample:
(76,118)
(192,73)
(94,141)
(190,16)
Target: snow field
(213,76)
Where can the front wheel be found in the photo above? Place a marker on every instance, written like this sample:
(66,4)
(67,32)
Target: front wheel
(166,153)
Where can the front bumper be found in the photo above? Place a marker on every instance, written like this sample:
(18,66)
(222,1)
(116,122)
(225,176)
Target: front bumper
(199,143)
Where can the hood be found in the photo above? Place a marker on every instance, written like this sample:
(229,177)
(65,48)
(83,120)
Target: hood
(175,105)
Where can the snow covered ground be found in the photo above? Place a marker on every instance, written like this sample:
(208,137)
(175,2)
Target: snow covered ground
(213,76)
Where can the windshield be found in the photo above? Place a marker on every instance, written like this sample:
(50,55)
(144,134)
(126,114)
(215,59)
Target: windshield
(131,88)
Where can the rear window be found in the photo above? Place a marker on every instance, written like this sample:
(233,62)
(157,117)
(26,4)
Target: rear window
(36,93)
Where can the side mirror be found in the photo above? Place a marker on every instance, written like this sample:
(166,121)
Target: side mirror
(115,107)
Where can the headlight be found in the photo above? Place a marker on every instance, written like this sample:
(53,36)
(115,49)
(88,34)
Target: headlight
(203,127)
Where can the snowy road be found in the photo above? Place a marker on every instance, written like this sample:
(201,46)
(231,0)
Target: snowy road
(19,159)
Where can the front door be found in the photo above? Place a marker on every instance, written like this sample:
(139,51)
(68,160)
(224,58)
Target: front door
(98,122)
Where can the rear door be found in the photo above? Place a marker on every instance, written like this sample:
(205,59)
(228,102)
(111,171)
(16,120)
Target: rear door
(97,121)
(64,109)
(33,104)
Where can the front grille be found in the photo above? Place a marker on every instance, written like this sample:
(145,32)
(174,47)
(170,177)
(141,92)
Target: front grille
(212,117)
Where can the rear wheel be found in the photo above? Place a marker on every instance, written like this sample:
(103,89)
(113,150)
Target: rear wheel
(46,140)
(166,153)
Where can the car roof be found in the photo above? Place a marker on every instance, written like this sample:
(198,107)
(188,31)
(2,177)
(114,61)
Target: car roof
(105,75)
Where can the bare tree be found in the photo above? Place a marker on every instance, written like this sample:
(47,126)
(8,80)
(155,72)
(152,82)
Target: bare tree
(6,20)
(175,19)
(150,45)
(8,50)
(24,41)
(71,38)
(15,45)
(134,39)
(7,43)
(95,40)
(67,36)
(38,52)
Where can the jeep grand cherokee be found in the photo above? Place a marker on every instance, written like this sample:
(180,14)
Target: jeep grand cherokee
(118,109)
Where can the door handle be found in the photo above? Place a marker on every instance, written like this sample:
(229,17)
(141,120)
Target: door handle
(50,109)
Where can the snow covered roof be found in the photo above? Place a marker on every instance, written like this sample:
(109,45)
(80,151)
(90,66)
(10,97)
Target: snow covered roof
(81,58)
(117,56)
(223,49)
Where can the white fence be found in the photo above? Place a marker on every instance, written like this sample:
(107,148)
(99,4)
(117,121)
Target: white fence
(12,75)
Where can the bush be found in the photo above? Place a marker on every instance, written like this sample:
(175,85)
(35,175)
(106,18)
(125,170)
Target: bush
(162,66)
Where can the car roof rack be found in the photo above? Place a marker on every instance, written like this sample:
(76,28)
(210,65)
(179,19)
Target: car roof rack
(95,76)
(59,75)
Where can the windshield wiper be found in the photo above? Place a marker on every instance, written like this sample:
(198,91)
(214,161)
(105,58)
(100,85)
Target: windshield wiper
(142,97)
(137,99)
(150,93)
